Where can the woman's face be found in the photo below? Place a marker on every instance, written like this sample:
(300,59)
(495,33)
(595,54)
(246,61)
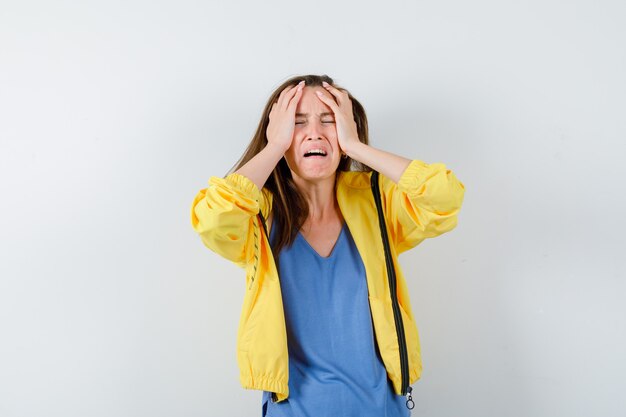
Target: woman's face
(314,130)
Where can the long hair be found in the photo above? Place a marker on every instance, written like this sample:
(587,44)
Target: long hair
(290,208)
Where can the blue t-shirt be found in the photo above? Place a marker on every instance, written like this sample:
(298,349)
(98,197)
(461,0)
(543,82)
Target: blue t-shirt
(335,367)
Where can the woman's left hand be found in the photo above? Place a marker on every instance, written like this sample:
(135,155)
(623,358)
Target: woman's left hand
(347,133)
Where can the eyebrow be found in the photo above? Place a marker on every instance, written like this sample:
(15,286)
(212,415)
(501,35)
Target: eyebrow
(307,114)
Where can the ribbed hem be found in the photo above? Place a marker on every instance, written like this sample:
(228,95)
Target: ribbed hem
(396,380)
(415,374)
(266,383)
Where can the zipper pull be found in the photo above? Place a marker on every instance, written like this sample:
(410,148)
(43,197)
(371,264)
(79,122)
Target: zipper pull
(409,399)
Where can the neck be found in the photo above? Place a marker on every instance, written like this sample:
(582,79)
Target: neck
(321,198)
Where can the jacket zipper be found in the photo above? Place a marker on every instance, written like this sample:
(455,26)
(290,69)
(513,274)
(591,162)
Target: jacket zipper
(391,274)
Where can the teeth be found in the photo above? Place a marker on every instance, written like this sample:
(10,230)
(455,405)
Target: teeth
(315,152)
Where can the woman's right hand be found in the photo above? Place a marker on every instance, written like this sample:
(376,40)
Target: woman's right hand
(283,117)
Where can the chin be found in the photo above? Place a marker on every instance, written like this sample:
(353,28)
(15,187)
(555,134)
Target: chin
(313,175)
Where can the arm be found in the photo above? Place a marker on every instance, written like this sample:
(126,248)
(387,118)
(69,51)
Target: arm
(420,200)
(279,136)
(224,215)
(424,203)
(259,168)
(390,165)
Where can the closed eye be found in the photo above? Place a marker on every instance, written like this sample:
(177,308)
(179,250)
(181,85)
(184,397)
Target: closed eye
(325,121)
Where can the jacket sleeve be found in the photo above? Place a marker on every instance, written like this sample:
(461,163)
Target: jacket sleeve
(225,216)
(424,203)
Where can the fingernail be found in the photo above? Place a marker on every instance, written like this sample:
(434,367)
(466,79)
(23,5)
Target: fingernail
(325,84)
(319,93)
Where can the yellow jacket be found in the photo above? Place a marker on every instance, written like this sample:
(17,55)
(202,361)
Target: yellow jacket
(423,204)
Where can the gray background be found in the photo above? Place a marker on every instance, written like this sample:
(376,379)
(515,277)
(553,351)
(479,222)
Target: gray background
(114,114)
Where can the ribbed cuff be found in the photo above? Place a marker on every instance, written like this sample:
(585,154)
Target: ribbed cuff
(239,183)
(266,383)
(414,176)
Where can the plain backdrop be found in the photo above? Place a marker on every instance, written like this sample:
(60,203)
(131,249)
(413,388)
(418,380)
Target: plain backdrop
(113,115)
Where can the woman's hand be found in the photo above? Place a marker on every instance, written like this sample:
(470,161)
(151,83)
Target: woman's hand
(347,133)
(283,117)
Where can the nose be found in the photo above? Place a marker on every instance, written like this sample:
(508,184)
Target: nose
(313,132)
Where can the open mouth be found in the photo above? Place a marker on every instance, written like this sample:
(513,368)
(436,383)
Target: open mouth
(315,153)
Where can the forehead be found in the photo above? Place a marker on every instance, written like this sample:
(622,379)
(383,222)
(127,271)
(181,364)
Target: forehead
(310,103)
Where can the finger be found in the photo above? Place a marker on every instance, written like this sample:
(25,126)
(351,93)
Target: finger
(297,93)
(328,101)
(339,94)
(281,96)
(294,101)
(289,95)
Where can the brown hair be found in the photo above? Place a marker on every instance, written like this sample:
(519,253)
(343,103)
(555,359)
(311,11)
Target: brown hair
(290,209)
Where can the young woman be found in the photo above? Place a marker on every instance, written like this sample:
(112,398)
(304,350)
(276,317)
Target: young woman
(324,330)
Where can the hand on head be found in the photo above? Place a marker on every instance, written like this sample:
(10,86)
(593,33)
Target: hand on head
(283,116)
